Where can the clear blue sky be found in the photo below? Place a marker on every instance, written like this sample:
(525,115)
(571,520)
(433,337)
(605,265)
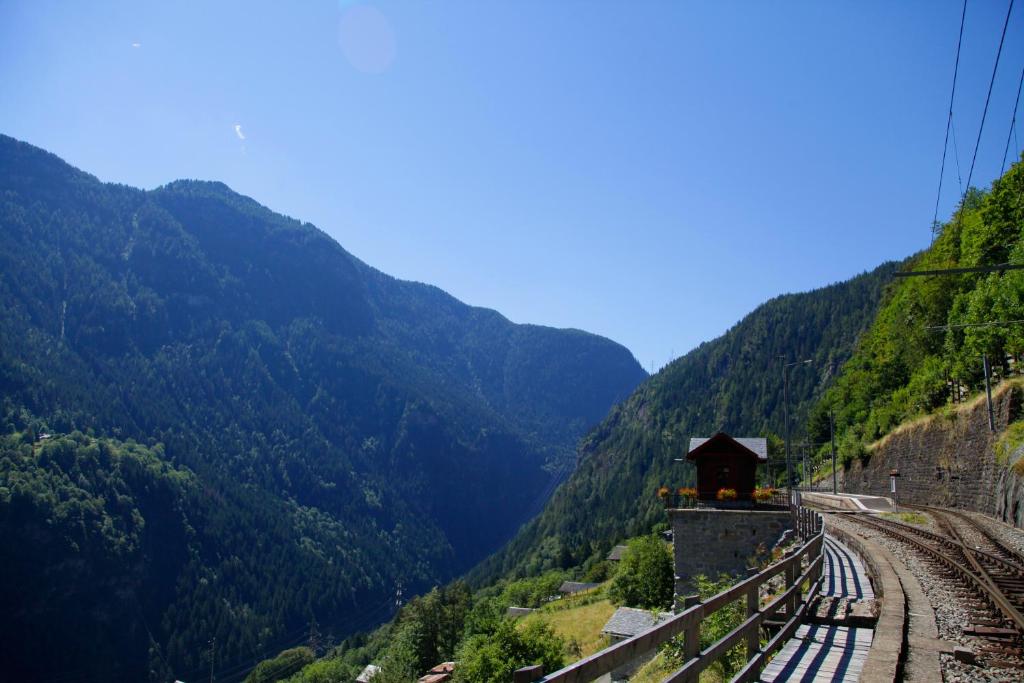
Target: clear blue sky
(649,171)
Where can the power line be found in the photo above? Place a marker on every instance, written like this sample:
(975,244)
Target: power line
(949,119)
(999,267)
(997,323)
(988,97)
(1013,124)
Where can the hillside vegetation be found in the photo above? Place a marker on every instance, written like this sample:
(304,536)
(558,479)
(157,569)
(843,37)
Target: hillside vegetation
(924,348)
(338,433)
(732,383)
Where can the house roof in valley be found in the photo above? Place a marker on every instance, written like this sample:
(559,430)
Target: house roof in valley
(629,621)
(435,678)
(367,673)
(757,446)
(616,553)
(576,586)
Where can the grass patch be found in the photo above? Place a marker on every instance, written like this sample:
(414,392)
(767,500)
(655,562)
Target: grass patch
(906,517)
(1009,441)
(658,669)
(578,599)
(653,671)
(578,625)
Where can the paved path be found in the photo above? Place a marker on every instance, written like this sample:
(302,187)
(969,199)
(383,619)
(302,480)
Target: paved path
(828,653)
(872,502)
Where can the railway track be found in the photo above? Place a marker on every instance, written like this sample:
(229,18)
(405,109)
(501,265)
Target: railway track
(992,582)
(988,542)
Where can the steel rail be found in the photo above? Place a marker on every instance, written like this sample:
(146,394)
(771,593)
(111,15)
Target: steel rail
(1013,555)
(979,579)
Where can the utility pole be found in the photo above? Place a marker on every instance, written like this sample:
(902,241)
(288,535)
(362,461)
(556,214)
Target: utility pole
(806,475)
(213,651)
(832,440)
(785,408)
(988,392)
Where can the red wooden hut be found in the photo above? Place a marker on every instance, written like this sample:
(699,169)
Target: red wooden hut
(726,463)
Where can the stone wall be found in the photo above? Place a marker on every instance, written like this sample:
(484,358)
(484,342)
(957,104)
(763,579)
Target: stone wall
(947,459)
(712,542)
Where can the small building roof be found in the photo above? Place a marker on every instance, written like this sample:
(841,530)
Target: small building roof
(569,587)
(435,678)
(367,673)
(629,621)
(616,553)
(516,612)
(757,446)
(443,668)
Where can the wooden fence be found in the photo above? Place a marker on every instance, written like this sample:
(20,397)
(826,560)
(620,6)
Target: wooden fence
(803,570)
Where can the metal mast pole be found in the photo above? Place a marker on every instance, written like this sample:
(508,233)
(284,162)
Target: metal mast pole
(785,406)
(832,439)
(988,392)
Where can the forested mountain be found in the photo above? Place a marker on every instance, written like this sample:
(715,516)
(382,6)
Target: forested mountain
(255,431)
(926,345)
(732,383)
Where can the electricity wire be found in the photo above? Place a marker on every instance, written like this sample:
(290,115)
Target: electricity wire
(949,119)
(1012,133)
(988,97)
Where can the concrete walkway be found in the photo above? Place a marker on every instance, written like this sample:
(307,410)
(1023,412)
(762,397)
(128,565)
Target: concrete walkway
(849,501)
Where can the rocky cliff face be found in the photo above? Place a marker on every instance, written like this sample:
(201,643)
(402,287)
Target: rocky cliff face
(951,459)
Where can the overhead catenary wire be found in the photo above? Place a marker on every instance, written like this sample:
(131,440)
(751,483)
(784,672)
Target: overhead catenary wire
(995,323)
(1011,134)
(949,120)
(988,97)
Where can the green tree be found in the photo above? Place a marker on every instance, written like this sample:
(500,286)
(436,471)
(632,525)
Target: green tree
(282,666)
(493,658)
(644,578)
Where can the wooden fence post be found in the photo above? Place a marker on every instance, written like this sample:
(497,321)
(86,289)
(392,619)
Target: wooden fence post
(753,605)
(791,574)
(691,634)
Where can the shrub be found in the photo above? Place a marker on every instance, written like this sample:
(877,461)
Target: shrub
(285,664)
(493,658)
(726,494)
(645,577)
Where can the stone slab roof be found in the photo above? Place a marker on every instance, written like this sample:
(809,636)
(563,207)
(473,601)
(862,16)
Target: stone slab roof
(576,586)
(368,673)
(756,444)
(616,553)
(629,621)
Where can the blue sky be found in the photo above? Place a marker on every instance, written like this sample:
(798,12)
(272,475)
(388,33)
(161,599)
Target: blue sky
(649,171)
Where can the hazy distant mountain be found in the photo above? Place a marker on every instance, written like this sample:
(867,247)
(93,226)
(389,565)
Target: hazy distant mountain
(310,432)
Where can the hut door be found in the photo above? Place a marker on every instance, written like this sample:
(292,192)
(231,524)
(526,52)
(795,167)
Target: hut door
(722,480)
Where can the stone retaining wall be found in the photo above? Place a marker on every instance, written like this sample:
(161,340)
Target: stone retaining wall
(713,542)
(948,460)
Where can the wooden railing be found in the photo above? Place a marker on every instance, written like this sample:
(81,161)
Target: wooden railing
(802,568)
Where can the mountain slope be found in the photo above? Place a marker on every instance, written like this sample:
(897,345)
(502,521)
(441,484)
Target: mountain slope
(930,335)
(389,433)
(732,383)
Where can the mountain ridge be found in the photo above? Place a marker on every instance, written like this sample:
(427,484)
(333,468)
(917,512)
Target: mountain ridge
(255,353)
